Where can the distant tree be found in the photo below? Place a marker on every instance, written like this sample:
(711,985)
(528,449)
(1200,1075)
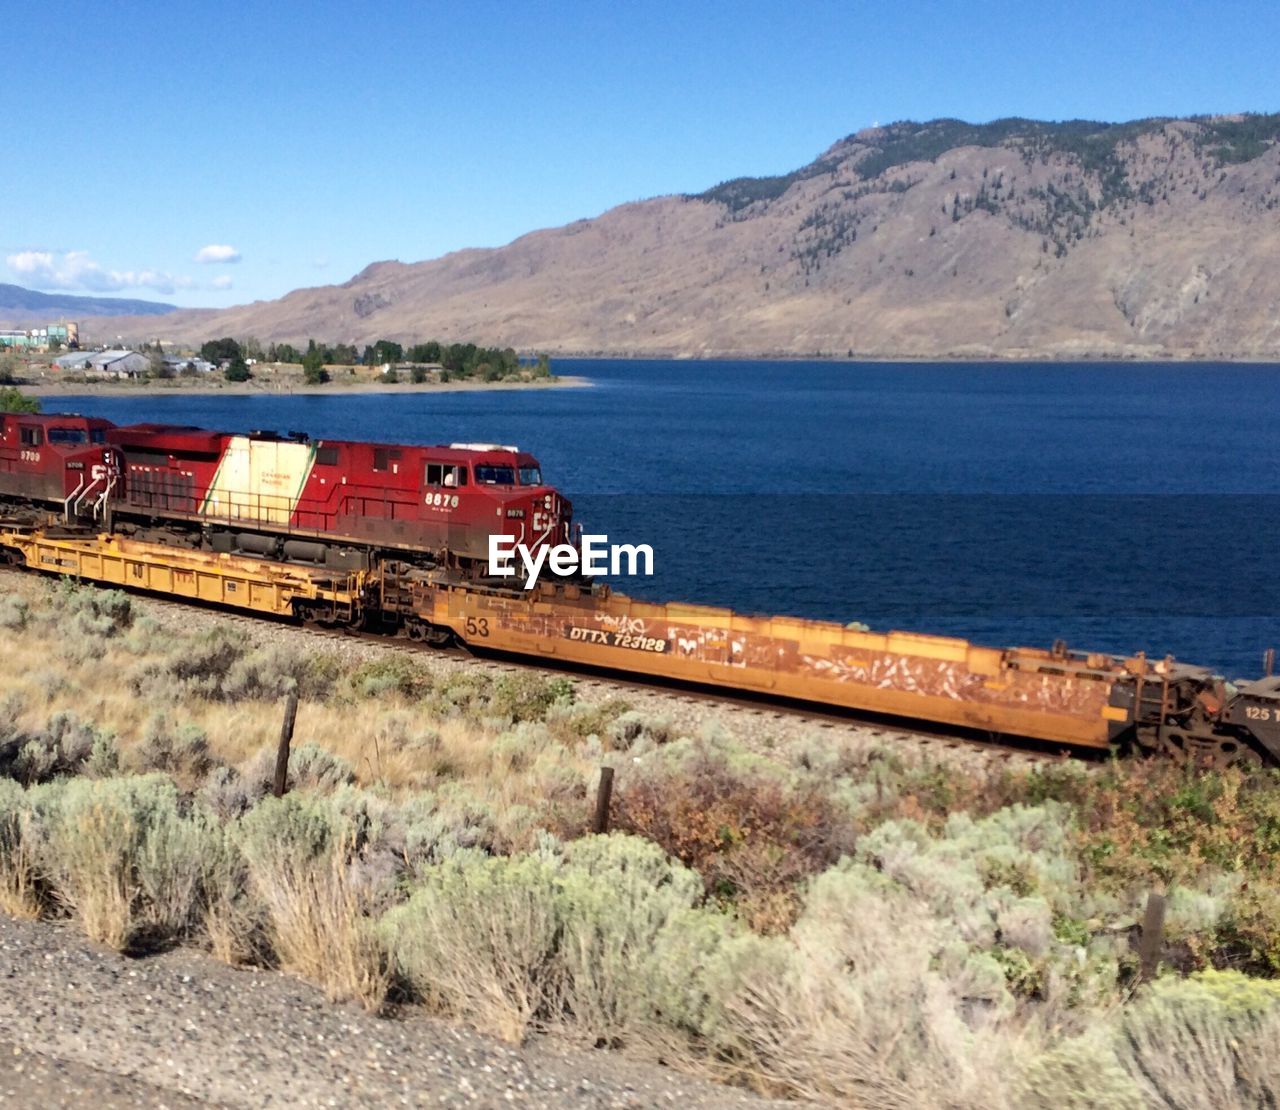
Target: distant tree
(12,400)
(542,368)
(424,352)
(238,370)
(286,352)
(215,350)
(344,354)
(313,371)
(391,376)
(157,367)
(251,348)
(10,366)
(418,374)
(386,351)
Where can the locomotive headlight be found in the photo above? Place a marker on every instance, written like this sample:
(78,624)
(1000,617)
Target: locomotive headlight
(546,501)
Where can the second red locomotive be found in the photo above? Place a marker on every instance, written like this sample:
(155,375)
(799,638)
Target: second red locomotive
(331,502)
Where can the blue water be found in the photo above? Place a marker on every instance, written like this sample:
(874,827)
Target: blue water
(1119,507)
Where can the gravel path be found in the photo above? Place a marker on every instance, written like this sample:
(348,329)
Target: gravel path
(81,1026)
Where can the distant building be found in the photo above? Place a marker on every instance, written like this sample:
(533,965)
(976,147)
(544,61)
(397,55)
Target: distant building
(39,339)
(106,364)
(178,363)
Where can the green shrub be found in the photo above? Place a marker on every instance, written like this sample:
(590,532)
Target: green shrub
(300,850)
(1204,1041)
(64,746)
(460,693)
(525,696)
(182,752)
(633,944)
(605,942)
(477,941)
(218,664)
(87,612)
(634,731)
(1079,1073)
(312,767)
(119,855)
(572,723)
(865,1002)
(20,888)
(392,674)
(14,613)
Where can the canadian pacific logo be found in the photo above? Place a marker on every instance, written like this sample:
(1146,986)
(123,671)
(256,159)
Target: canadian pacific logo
(594,557)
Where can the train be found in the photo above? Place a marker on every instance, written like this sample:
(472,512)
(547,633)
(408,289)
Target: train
(336,503)
(395,538)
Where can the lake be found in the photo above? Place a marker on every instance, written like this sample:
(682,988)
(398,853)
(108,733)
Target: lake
(1120,507)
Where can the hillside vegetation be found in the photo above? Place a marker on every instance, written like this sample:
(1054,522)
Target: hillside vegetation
(837,917)
(1016,238)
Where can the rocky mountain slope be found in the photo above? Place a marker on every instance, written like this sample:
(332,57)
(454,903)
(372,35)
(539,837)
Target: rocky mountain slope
(1157,238)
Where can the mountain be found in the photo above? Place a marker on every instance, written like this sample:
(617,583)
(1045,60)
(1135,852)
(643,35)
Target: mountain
(1018,238)
(19,305)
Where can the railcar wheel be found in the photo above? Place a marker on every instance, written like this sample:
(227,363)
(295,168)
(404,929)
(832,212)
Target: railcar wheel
(1207,750)
(423,632)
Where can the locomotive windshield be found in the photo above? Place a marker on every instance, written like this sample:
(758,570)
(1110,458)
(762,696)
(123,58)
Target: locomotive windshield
(76,435)
(489,475)
(530,476)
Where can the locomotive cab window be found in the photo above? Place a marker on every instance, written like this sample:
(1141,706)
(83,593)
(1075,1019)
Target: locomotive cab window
(488,475)
(326,456)
(530,476)
(384,456)
(68,435)
(439,474)
(32,436)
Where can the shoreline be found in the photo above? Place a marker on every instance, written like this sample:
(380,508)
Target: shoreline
(1092,359)
(267,388)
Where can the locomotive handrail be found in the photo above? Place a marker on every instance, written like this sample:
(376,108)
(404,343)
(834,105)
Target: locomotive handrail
(66,504)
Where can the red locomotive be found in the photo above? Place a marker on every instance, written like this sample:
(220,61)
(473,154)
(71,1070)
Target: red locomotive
(330,502)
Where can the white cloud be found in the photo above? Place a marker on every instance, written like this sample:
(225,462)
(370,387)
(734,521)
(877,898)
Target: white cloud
(221,282)
(75,270)
(217,252)
(320,263)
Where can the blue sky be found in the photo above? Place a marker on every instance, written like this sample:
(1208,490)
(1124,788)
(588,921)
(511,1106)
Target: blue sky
(295,143)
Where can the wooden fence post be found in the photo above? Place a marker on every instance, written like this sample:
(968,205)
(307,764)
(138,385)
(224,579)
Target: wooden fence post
(604,794)
(1152,939)
(281,783)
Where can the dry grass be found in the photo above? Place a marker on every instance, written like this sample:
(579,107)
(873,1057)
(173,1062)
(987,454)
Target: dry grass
(19,890)
(300,858)
(319,929)
(393,741)
(90,855)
